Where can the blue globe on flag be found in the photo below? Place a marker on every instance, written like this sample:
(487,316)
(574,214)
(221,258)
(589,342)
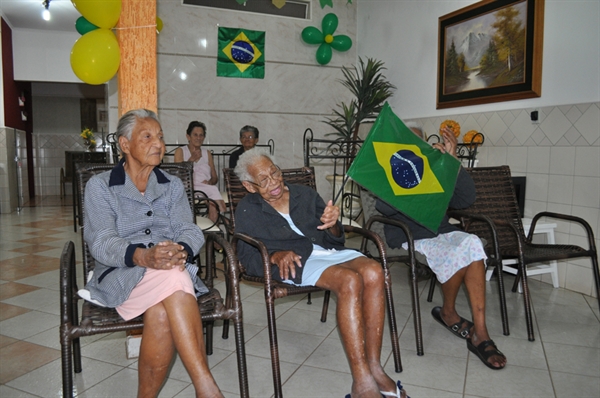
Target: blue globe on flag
(242,52)
(407,168)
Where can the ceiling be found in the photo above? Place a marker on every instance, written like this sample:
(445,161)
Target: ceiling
(27,14)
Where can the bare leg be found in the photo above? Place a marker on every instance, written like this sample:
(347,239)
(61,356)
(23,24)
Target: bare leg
(174,323)
(156,351)
(474,278)
(349,286)
(373,306)
(186,329)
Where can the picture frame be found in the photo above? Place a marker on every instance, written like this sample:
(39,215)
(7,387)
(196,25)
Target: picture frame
(490,51)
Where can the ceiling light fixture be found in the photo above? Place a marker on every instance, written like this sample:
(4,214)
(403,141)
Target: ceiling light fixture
(46,12)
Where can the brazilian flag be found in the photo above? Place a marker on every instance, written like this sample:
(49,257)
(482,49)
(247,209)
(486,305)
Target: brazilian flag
(241,53)
(405,171)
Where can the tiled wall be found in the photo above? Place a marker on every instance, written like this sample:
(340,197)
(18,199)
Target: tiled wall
(14,189)
(49,158)
(295,94)
(560,156)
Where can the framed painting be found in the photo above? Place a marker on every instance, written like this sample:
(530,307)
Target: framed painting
(490,51)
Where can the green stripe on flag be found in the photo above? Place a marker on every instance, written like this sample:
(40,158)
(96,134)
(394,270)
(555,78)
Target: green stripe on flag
(405,171)
(241,53)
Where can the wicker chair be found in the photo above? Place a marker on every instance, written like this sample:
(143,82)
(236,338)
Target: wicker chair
(274,289)
(97,320)
(496,199)
(418,262)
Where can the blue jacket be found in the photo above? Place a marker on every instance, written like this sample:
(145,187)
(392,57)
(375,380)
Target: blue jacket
(119,219)
(257,218)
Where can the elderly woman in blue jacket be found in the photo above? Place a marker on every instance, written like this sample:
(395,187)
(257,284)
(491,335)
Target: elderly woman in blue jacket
(305,242)
(141,234)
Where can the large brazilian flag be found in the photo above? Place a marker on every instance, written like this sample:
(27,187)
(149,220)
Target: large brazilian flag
(241,53)
(405,171)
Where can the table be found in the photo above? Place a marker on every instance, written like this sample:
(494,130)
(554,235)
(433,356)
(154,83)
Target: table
(551,268)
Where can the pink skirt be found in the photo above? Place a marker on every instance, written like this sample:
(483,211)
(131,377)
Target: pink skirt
(155,286)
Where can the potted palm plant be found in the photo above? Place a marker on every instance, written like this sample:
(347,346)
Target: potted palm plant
(370,89)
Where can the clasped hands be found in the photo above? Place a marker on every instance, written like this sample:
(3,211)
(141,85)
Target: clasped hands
(288,260)
(163,255)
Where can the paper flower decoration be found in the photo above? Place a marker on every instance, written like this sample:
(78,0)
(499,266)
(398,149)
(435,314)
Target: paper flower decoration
(326,39)
(452,125)
(473,136)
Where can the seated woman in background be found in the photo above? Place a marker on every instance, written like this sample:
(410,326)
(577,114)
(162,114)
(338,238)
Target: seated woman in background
(142,237)
(248,138)
(456,257)
(205,175)
(305,241)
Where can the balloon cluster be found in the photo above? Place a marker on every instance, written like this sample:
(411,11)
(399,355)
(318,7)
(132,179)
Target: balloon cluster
(325,39)
(96,55)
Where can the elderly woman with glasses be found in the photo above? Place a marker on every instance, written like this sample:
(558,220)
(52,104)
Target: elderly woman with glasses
(305,242)
(249,139)
(141,234)
(205,174)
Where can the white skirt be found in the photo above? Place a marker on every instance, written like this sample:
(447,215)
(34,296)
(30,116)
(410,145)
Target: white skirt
(448,253)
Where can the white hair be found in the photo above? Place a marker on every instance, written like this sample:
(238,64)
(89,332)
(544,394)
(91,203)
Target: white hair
(247,159)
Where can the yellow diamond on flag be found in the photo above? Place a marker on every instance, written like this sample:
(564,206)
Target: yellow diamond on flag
(406,168)
(242,52)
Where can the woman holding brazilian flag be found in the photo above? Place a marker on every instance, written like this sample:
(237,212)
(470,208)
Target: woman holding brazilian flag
(416,183)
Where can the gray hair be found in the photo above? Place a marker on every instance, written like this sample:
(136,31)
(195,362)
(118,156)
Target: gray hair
(246,160)
(415,126)
(128,121)
(250,129)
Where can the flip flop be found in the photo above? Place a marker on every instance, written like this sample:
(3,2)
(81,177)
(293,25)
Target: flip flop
(397,394)
(484,354)
(457,329)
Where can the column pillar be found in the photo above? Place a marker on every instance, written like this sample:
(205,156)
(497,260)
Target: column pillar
(136,32)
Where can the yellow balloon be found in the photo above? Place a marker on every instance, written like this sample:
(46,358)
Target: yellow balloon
(159,24)
(96,56)
(102,13)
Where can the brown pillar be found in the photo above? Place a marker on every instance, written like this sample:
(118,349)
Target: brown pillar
(136,33)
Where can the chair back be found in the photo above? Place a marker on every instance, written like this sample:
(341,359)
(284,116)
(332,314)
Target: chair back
(496,199)
(85,171)
(236,190)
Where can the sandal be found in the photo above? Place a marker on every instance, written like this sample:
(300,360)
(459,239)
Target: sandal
(457,329)
(397,394)
(483,353)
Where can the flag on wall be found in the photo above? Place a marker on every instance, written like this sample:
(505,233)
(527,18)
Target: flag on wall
(405,171)
(241,53)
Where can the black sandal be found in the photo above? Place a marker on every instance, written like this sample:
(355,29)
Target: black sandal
(483,353)
(457,329)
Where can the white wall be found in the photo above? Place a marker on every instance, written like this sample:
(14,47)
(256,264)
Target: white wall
(404,34)
(43,56)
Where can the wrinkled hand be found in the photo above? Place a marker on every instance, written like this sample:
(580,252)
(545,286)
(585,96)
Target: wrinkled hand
(195,155)
(448,144)
(286,261)
(164,255)
(330,216)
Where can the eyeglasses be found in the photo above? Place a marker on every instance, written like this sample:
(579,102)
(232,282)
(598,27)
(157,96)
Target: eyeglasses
(247,137)
(263,181)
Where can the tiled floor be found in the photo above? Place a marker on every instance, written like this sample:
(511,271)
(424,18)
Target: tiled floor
(563,361)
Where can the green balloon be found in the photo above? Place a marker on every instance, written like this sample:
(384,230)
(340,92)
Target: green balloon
(312,35)
(341,43)
(84,26)
(324,54)
(329,24)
